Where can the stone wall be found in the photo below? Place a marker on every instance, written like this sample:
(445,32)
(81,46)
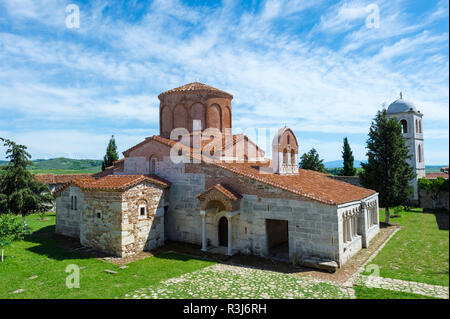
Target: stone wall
(67,219)
(427,203)
(142,232)
(101,222)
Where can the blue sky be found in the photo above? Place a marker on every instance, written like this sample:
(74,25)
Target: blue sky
(313,65)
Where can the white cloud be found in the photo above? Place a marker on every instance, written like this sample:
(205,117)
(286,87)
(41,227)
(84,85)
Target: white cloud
(276,77)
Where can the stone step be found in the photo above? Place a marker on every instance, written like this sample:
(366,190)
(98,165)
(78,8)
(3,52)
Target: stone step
(327,265)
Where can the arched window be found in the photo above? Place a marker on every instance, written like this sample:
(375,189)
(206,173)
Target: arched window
(419,153)
(420,126)
(404,126)
(285,161)
(153,165)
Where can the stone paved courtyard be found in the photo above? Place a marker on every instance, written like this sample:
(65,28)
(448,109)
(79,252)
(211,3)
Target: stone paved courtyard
(227,281)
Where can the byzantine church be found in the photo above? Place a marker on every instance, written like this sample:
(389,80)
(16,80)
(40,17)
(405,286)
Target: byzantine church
(197,182)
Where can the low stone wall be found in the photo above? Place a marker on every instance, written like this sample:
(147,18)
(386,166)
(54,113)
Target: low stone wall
(427,203)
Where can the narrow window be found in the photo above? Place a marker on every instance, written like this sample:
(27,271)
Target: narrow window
(404,126)
(73,202)
(419,151)
(142,211)
(420,126)
(285,161)
(293,158)
(98,213)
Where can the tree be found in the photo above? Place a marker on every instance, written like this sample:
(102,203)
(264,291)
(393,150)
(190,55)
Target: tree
(111,154)
(11,229)
(347,155)
(387,170)
(20,192)
(434,187)
(312,161)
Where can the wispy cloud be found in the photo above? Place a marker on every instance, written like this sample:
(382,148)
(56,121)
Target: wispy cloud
(313,66)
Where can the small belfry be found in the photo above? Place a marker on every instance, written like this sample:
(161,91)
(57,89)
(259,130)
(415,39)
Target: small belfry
(411,121)
(285,152)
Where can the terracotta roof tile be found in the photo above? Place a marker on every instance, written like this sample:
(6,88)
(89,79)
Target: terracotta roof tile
(58,178)
(113,182)
(193,87)
(225,190)
(309,184)
(436,175)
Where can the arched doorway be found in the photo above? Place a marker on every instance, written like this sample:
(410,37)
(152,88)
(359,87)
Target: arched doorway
(223,231)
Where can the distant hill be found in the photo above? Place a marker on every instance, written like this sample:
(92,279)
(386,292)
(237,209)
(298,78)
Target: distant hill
(340,163)
(357,164)
(66,164)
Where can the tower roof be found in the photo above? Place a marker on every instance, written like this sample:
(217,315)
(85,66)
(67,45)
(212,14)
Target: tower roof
(195,87)
(401,106)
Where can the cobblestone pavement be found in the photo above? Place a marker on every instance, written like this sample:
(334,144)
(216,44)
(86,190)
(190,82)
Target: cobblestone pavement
(403,286)
(229,281)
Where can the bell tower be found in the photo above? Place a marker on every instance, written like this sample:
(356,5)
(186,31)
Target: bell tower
(411,121)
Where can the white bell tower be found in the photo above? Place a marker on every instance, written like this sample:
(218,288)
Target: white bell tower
(411,120)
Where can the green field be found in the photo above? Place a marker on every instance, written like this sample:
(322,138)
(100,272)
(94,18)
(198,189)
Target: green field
(36,268)
(40,256)
(362,292)
(419,251)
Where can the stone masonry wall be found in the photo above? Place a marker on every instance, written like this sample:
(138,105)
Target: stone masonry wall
(67,219)
(101,222)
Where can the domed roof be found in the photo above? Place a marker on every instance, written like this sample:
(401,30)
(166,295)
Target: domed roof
(401,106)
(196,87)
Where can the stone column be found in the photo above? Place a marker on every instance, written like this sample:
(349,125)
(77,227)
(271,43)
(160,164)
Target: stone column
(204,242)
(365,224)
(230,236)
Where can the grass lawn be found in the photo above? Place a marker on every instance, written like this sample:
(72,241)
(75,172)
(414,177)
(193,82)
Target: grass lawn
(363,292)
(40,256)
(418,252)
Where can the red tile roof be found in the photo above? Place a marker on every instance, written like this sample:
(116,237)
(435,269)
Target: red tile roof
(225,190)
(436,175)
(309,184)
(58,178)
(195,87)
(113,182)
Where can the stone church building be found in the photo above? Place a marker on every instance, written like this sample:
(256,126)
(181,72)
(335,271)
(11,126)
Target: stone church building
(199,183)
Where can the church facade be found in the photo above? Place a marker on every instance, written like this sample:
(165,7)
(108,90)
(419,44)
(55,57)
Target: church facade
(199,183)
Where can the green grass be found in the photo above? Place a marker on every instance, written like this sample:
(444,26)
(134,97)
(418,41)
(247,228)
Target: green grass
(417,252)
(363,292)
(37,255)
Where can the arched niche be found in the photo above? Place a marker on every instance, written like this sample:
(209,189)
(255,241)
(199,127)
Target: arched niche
(197,113)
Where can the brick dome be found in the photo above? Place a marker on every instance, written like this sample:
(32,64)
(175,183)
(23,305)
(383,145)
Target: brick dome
(181,106)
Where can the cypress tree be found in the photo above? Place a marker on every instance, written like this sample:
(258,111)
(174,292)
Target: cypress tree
(387,170)
(312,161)
(111,154)
(20,192)
(347,155)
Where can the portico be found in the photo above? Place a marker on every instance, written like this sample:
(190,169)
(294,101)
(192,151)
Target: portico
(221,204)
